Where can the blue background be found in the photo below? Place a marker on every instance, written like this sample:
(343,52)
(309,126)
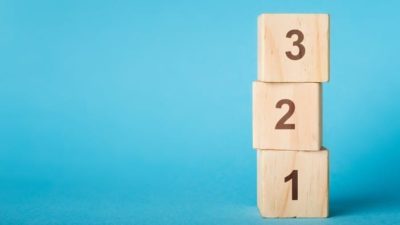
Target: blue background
(139,112)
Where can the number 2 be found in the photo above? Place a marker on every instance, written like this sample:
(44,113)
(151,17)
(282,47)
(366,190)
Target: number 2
(281,123)
(297,43)
(295,186)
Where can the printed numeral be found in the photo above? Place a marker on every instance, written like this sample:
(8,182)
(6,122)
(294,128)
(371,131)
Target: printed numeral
(297,43)
(293,176)
(281,123)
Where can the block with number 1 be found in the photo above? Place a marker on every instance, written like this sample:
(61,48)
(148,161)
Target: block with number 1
(292,183)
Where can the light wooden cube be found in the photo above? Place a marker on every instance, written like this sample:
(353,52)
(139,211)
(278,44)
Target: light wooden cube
(287,116)
(292,183)
(293,47)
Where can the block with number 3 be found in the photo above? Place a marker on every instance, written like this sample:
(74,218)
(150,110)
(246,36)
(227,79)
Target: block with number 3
(293,47)
(287,116)
(292,183)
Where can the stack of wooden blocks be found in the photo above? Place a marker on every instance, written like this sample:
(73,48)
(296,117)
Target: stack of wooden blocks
(292,165)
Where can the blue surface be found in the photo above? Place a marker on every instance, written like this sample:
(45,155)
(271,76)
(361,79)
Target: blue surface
(128,112)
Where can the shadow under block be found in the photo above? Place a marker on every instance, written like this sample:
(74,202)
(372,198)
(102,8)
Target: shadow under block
(293,47)
(292,183)
(287,116)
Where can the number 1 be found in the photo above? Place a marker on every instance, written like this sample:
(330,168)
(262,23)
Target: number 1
(294,177)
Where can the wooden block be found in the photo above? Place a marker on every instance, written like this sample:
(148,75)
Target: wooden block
(292,183)
(287,116)
(293,47)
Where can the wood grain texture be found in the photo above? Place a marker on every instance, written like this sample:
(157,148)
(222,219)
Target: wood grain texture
(275,66)
(274,195)
(306,117)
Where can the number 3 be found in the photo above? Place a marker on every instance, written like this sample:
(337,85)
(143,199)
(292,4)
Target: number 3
(297,43)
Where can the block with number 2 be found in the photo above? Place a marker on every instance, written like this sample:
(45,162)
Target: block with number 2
(287,116)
